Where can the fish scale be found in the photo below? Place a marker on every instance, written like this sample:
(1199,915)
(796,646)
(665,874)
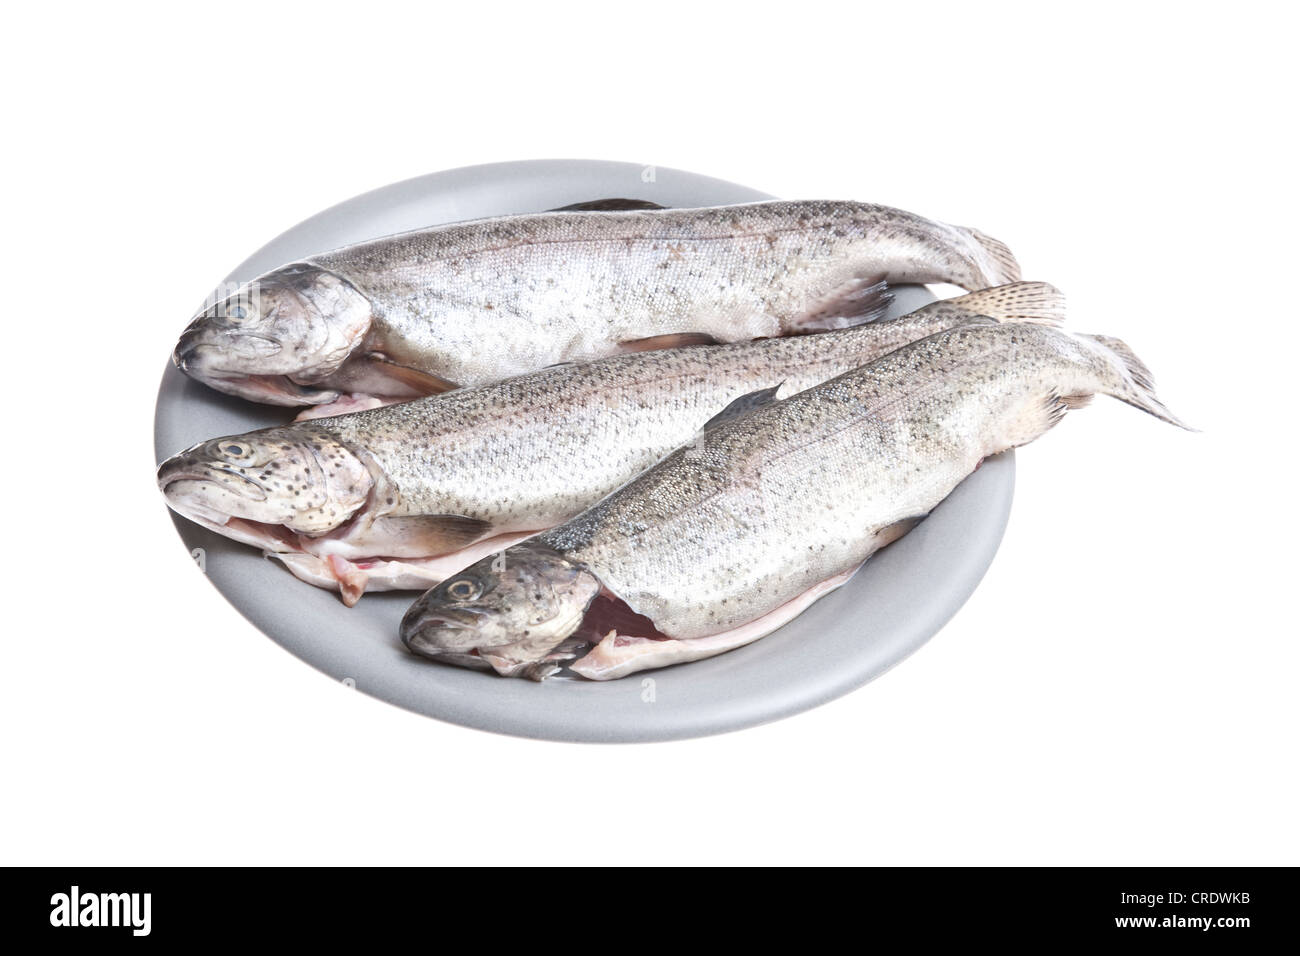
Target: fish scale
(730,537)
(470,303)
(571,286)
(447,471)
(796,492)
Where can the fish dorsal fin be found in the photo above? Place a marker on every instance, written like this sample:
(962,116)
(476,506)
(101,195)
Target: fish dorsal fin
(432,534)
(740,406)
(609,205)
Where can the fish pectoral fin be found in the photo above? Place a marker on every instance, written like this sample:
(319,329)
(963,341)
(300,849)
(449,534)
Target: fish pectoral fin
(352,579)
(421,383)
(427,534)
(608,205)
(671,340)
(344,404)
(856,302)
(306,567)
(746,403)
(617,655)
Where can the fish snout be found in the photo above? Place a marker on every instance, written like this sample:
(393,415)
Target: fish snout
(181,467)
(441,631)
(241,354)
(183,354)
(200,346)
(183,481)
(234,373)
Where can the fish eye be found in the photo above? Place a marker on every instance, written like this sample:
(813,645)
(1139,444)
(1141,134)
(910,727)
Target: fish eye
(237,311)
(233,449)
(464,589)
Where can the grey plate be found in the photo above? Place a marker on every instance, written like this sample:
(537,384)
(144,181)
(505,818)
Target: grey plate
(901,598)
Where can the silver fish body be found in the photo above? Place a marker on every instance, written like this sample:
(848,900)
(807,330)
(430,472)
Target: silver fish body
(376,498)
(474,302)
(731,536)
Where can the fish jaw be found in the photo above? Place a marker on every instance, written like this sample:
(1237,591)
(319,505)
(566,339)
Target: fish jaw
(265,389)
(266,536)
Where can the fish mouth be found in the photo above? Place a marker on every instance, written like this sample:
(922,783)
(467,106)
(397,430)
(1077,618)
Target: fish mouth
(427,641)
(424,632)
(467,659)
(174,483)
(267,537)
(448,621)
(246,487)
(267,389)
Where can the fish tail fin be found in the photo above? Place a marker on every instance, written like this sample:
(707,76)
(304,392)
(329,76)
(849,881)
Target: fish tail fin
(1039,303)
(1131,381)
(993,260)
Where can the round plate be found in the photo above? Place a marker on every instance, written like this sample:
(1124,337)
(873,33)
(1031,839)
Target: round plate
(900,598)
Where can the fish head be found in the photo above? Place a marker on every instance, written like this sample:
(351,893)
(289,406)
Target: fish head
(260,486)
(509,611)
(277,338)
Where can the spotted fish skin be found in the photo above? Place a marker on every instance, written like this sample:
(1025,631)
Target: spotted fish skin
(532,451)
(737,532)
(763,509)
(474,302)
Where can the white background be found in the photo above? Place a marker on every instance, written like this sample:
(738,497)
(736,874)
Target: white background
(1122,687)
